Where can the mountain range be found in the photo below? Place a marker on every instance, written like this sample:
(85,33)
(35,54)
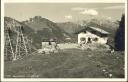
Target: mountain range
(39,28)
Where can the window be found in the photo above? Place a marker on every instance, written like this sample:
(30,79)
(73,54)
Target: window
(50,43)
(89,40)
(82,39)
(95,39)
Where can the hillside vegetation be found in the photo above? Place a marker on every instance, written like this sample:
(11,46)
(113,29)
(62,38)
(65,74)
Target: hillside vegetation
(68,63)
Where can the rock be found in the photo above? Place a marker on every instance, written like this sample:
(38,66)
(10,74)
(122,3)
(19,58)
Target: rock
(110,75)
(117,57)
(89,55)
(103,70)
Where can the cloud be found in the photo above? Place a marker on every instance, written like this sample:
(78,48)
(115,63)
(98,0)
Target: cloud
(114,7)
(68,17)
(77,8)
(89,12)
(80,8)
(109,18)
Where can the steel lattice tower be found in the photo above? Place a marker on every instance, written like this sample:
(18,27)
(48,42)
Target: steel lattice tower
(9,51)
(17,50)
(21,48)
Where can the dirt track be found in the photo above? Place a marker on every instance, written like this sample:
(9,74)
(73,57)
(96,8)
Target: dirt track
(68,45)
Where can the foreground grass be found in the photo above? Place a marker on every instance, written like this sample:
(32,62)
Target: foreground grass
(71,63)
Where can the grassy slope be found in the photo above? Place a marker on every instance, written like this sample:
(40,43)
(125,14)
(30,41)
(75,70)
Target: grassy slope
(68,64)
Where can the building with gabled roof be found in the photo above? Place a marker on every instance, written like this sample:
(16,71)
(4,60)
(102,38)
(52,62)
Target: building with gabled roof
(92,35)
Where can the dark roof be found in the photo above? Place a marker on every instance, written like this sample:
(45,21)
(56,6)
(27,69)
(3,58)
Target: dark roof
(48,40)
(101,31)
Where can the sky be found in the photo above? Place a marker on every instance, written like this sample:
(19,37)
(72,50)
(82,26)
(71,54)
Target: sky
(61,12)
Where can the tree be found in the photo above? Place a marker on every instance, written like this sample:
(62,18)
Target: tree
(120,35)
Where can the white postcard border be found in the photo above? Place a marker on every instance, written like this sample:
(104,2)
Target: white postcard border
(60,1)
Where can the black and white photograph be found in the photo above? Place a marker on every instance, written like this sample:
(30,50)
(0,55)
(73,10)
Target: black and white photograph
(64,40)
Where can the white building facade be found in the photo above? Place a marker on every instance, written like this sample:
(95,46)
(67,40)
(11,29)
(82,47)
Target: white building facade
(89,37)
